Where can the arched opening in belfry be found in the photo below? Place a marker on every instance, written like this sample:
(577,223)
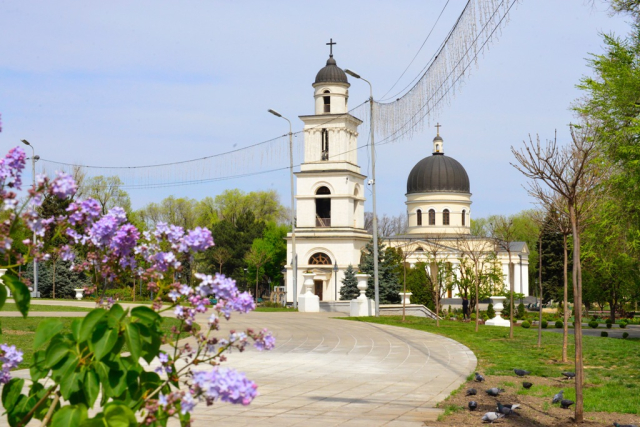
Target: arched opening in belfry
(445,217)
(325,144)
(323,207)
(327,102)
(432,217)
(419,216)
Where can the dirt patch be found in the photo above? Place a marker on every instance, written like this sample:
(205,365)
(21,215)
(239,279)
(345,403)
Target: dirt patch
(534,411)
(10,332)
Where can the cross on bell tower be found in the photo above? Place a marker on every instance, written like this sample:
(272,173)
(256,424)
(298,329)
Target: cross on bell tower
(330,44)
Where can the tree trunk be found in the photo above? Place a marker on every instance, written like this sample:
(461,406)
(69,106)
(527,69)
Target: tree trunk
(404,288)
(257,270)
(577,299)
(565,332)
(477,291)
(436,286)
(512,290)
(53,276)
(612,309)
(540,286)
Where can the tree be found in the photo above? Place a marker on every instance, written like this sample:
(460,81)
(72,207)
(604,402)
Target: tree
(571,173)
(66,279)
(233,204)
(107,191)
(417,284)
(502,230)
(52,206)
(220,256)
(349,289)
(256,258)
(388,272)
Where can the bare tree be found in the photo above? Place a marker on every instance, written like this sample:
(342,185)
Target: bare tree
(387,225)
(503,232)
(477,250)
(257,257)
(220,255)
(434,249)
(572,173)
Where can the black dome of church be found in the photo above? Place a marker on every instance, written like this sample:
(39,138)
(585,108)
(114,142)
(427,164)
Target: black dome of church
(331,73)
(438,173)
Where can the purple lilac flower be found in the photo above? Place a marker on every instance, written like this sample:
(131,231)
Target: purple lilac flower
(226,385)
(174,295)
(125,240)
(196,240)
(88,210)
(265,341)
(187,403)
(66,253)
(174,234)
(11,168)
(162,400)
(10,358)
(220,286)
(163,358)
(10,204)
(104,229)
(244,303)
(161,228)
(164,260)
(63,185)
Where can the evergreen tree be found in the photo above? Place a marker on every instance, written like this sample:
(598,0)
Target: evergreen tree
(417,284)
(349,289)
(66,279)
(491,313)
(552,263)
(388,272)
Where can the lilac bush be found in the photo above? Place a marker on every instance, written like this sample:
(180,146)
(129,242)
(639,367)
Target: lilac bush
(90,361)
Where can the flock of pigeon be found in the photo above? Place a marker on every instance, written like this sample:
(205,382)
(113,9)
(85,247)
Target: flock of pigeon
(507,410)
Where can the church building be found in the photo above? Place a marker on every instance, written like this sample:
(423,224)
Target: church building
(330,228)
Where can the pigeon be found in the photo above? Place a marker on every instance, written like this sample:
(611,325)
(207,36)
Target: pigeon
(479,378)
(490,417)
(558,397)
(512,406)
(526,385)
(624,425)
(569,375)
(565,403)
(471,392)
(473,405)
(495,391)
(521,372)
(506,410)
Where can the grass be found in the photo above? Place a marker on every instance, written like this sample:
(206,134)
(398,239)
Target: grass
(275,309)
(612,366)
(20,332)
(37,307)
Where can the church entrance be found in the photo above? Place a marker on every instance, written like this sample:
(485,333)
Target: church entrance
(318,285)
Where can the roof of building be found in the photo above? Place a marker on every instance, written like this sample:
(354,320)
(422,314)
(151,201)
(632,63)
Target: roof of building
(438,173)
(331,73)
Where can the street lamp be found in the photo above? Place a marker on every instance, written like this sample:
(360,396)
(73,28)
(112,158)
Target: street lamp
(294,256)
(35,293)
(373,192)
(284,285)
(335,273)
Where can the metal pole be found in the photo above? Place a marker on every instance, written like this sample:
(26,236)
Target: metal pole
(373,200)
(293,224)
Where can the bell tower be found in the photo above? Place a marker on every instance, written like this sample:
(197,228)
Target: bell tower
(330,189)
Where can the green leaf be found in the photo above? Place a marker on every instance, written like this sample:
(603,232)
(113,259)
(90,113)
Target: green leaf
(146,315)
(70,383)
(10,393)
(19,290)
(91,387)
(116,314)
(76,325)
(98,421)
(37,369)
(89,323)
(69,416)
(134,342)
(3,295)
(56,351)
(47,329)
(102,341)
(119,415)
(20,410)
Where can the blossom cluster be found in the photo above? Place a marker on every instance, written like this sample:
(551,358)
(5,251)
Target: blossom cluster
(10,358)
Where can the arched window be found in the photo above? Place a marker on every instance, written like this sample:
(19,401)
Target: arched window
(327,102)
(319,258)
(323,208)
(432,217)
(325,144)
(445,217)
(464,217)
(419,216)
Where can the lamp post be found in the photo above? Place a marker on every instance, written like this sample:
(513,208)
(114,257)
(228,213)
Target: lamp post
(284,285)
(373,192)
(335,273)
(294,255)
(35,293)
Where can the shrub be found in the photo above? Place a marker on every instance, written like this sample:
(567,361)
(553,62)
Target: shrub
(609,325)
(604,334)
(506,310)
(473,316)
(622,324)
(485,316)
(544,324)
(521,313)
(559,324)
(526,324)
(608,321)
(491,313)
(625,335)
(593,324)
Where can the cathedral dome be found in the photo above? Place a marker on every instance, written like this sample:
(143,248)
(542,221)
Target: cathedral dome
(438,173)
(331,73)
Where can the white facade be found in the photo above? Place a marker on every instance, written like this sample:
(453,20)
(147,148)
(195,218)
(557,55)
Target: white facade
(329,195)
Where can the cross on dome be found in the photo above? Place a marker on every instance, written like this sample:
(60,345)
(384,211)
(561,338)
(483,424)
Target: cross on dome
(330,44)
(438,125)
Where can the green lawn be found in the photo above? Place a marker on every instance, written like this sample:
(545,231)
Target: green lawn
(273,309)
(612,366)
(36,307)
(20,332)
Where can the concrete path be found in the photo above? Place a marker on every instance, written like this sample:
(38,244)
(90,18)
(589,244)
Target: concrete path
(327,372)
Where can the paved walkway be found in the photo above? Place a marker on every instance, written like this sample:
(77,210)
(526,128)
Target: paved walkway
(328,372)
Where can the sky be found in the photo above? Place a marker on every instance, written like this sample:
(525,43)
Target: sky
(136,83)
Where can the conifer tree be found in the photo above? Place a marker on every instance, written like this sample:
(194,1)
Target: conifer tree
(388,272)
(349,289)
